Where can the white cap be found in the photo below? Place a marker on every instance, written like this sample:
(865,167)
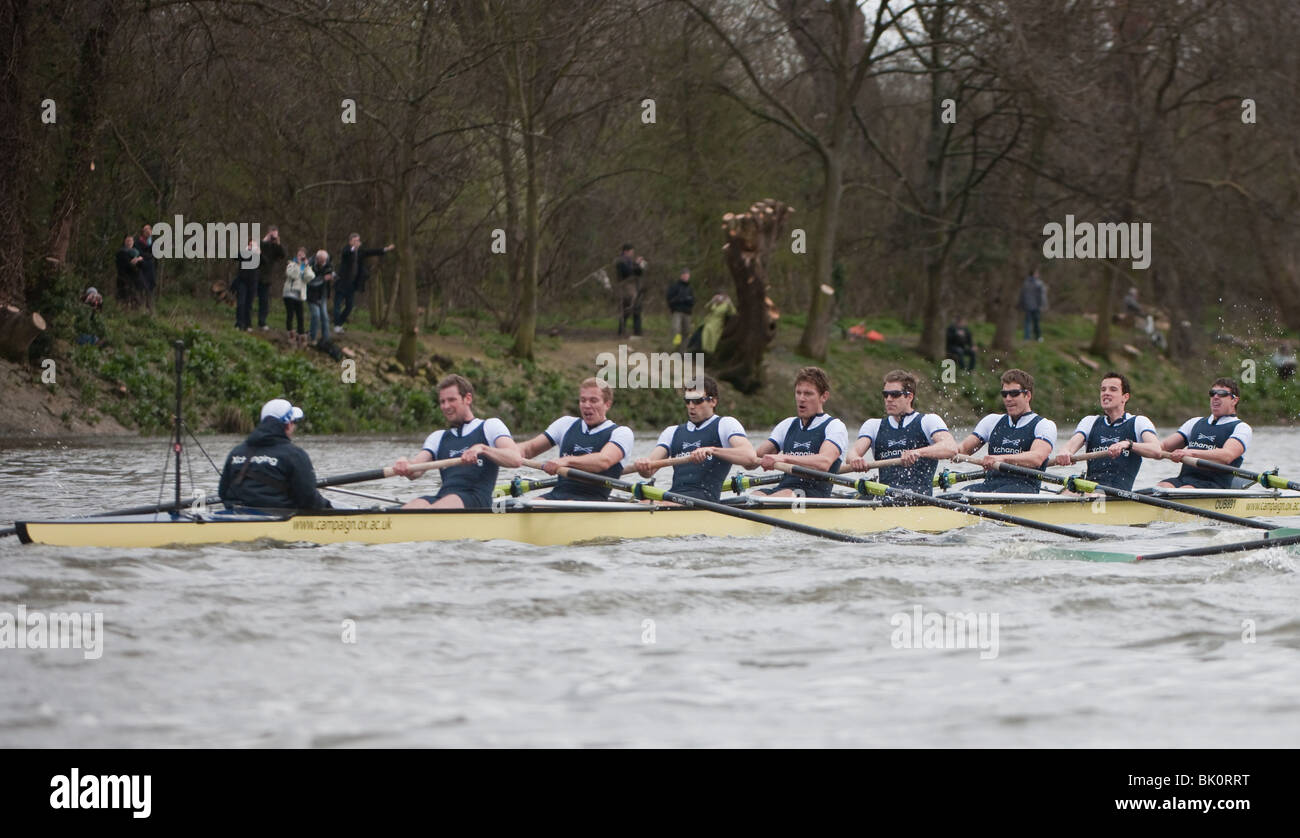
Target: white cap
(281,409)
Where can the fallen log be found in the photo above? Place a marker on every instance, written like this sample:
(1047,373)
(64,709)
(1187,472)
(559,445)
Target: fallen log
(17,331)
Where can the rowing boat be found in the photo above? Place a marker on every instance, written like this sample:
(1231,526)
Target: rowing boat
(567,522)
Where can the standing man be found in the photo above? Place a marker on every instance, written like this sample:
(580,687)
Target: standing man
(920,439)
(1115,431)
(148,265)
(714,444)
(351,277)
(589,442)
(1220,437)
(268,471)
(681,302)
(960,344)
(127,260)
(245,287)
(272,253)
(1019,437)
(482,445)
(810,438)
(630,267)
(1033,302)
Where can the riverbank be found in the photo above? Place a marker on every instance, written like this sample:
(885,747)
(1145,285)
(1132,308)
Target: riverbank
(126,386)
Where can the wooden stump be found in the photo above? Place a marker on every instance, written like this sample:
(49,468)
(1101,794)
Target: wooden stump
(17,331)
(750,237)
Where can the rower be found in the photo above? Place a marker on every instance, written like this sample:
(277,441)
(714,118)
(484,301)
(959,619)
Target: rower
(810,438)
(589,442)
(919,439)
(1019,437)
(483,445)
(268,471)
(1114,431)
(714,443)
(1220,437)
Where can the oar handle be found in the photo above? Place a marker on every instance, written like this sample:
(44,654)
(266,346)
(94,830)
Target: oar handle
(1100,454)
(870,464)
(658,464)
(421,468)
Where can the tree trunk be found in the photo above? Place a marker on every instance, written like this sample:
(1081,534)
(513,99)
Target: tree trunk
(75,173)
(1106,291)
(526,329)
(750,238)
(14,173)
(813,342)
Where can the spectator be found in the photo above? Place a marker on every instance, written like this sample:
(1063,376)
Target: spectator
(681,302)
(128,272)
(1284,360)
(705,338)
(630,267)
(272,253)
(297,273)
(1033,302)
(245,287)
(961,344)
(318,292)
(1131,304)
(148,267)
(351,278)
(89,328)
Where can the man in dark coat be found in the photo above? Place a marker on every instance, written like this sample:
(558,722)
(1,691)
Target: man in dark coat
(270,266)
(266,470)
(351,277)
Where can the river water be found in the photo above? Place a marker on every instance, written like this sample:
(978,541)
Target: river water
(785,640)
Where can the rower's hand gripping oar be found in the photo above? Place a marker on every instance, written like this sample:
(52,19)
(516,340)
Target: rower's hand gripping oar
(1078,484)
(868,487)
(644,491)
(519,486)
(1267,479)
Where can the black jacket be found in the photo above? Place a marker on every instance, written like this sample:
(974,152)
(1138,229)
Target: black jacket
(352,266)
(681,297)
(318,288)
(272,255)
(269,471)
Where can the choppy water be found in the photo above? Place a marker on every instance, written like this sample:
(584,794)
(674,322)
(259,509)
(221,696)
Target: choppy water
(779,641)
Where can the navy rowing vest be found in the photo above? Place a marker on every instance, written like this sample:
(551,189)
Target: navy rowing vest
(1005,439)
(891,442)
(699,480)
(1121,471)
(576,443)
(1206,435)
(801,440)
(475,481)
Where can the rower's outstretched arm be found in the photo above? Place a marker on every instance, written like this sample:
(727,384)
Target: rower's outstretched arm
(1076,442)
(535,446)
(643,464)
(740,452)
(1033,458)
(595,462)
(402,465)
(942,447)
(504,452)
(970,445)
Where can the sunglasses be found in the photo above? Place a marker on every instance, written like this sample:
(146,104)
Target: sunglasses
(701,400)
(1012,393)
(1221,393)
(894,394)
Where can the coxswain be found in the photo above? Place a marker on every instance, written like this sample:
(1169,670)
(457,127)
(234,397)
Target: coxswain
(266,470)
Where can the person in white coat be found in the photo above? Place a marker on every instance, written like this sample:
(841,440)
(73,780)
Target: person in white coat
(297,273)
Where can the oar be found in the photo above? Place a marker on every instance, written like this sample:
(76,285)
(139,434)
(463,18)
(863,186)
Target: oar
(947,479)
(338,480)
(644,490)
(868,487)
(518,486)
(741,482)
(1267,479)
(1276,538)
(1078,484)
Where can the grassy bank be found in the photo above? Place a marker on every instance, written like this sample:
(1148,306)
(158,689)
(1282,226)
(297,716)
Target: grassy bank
(228,374)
